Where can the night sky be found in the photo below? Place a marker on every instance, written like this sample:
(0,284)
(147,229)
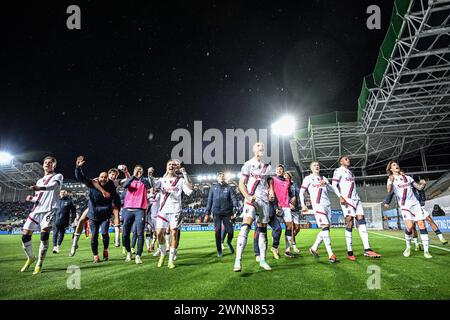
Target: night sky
(139,70)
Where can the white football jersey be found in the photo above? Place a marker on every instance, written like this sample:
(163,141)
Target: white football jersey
(403,189)
(170,190)
(256,174)
(45,200)
(317,190)
(346,181)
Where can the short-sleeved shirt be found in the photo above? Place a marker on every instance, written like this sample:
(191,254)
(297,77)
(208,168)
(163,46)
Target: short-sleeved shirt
(256,174)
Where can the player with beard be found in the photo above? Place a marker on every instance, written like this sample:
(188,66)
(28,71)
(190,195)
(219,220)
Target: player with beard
(83,220)
(101,208)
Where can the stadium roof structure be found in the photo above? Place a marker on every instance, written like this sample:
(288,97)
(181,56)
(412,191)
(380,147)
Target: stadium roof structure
(404,105)
(19,176)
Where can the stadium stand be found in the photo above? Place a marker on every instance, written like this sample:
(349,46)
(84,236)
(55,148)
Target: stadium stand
(404,105)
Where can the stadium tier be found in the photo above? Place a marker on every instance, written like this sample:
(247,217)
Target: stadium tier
(404,105)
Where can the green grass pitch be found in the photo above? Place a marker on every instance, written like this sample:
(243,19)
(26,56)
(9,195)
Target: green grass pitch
(201,275)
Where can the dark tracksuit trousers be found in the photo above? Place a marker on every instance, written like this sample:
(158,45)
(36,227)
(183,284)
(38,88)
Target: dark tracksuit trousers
(58,234)
(129,217)
(275,224)
(228,228)
(95,226)
(134,236)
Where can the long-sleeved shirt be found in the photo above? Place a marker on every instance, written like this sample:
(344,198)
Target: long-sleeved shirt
(221,199)
(65,209)
(100,208)
(295,192)
(136,197)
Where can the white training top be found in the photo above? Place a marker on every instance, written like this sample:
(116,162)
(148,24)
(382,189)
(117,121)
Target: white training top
(317,188)
(170,190)
(256,174)
(346,181)
(403,189)
(45,200)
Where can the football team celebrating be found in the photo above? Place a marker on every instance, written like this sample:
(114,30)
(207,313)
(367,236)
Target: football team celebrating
(151,208)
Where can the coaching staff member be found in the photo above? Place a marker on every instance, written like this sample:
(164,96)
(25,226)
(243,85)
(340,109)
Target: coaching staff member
(65,209)
(222,201)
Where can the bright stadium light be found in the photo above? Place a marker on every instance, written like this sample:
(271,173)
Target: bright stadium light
(199,178)
(284,126)
(5,158)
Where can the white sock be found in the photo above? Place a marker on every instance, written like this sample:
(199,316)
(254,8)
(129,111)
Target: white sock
(172,253)
(117,234)
(147,242)
(317,242)
(362,228)
(162,249)
(43,247)
(348,240)
(262,245)
(408,240)
(425,242)
(167,237)
(288,242)
(241,242)
(327,241)
(76,237)
(440,236)
(28,248)
(416,241)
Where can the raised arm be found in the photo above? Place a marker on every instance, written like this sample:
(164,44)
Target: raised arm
(419,186)
(388,199)
(128,182)
(79,175)
(188,182)
(147,183)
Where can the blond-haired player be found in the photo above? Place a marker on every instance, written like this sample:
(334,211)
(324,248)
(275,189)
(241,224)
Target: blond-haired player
(254,187)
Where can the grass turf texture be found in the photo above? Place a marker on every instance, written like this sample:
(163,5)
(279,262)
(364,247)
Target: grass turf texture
(201,275)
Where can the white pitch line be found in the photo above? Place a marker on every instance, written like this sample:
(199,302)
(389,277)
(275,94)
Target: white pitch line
(394,237)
